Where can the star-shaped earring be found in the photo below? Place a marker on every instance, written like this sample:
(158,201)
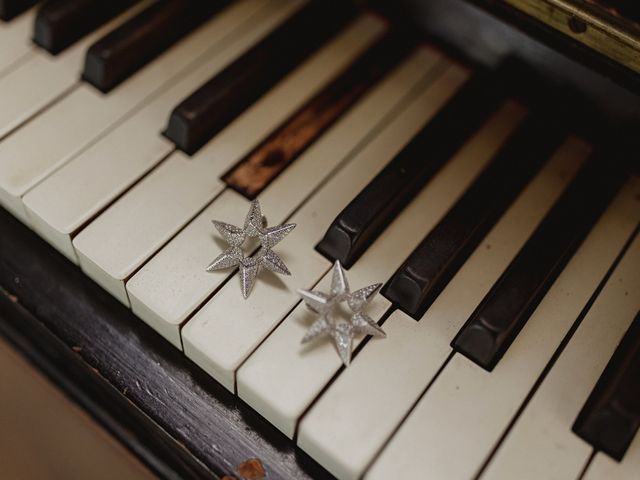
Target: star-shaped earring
(255,226)
(341,332)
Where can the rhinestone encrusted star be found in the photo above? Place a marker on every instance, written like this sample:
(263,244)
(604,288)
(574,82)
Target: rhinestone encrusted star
(342,332)
(255,226)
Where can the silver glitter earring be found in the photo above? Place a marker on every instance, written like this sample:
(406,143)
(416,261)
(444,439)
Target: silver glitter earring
(325,305)
(255,226)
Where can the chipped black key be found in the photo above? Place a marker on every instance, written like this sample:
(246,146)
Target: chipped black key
(494,324)
(59,23)
(433,263)
(219,101)
(611,416)
(9,9)
(131,46)
(360,223)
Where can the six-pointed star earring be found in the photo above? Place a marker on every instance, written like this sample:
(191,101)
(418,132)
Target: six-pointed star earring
(255,226)
(341,331)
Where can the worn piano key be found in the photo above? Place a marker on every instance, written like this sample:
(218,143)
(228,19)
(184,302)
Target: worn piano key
(368,213)
(34,152)
(131,46)
(219,348)
(504,311)
(424,274)
(260,167)
(24,91)
(15,41)
(412,353)
(541,443)
(130,243)
(60,23)
(88,184)
(437,430)
(611,417)
(282,385)
(174,283)
(9,9)
(216,103)
(603,466)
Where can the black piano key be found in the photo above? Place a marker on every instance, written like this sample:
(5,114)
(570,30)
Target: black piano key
(433,263)
(219,101)
(128,48)
(275,153)
(611,416)
(59,23)
(494,324)
(9,9)
(360,223)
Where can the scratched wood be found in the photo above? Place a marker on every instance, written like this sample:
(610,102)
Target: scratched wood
(261,166)
(176,418)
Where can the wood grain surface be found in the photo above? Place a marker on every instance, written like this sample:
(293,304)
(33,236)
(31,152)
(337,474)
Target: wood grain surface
(178,420)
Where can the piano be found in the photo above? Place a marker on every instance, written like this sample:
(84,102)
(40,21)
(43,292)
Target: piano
(479,158)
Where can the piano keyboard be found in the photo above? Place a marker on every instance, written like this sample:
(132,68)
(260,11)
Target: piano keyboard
(507,242)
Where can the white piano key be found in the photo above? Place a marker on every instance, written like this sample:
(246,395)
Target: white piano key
(108,167)
(60,204)
(15,40)
(70,196)
(282,377)
(42,78)
(541,443)
(174,283)
(228,328)
(30,87)
(358,413)
(111,165)
(458,421)
(46,143)
(604,467)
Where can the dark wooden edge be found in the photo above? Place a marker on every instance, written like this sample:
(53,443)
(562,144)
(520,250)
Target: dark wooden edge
(84,386)
(485,32)
(560,42)
(174,417)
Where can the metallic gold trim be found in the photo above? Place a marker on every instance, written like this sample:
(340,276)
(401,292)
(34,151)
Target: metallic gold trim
(590,25)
